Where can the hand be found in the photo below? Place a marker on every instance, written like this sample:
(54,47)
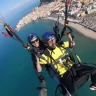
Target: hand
(72,43)
(27,46)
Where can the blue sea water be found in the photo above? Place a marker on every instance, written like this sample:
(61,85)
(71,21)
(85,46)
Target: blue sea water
(17,76)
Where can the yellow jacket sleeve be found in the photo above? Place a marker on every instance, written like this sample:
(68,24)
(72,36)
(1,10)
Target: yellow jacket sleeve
(43,61)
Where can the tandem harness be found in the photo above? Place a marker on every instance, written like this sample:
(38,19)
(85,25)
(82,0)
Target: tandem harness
(78,82)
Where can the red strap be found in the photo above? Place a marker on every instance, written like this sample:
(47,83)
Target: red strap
(5,34)
(70,2)
(66,2)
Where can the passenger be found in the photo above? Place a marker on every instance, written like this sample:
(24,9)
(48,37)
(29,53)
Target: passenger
(67,72)
(37,48)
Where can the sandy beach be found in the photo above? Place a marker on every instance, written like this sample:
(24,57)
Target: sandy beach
(83,30)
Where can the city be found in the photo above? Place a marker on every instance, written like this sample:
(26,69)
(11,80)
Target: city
(79,11)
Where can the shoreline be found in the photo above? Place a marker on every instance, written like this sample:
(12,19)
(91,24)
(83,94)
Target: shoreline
(81,29)
(85,25)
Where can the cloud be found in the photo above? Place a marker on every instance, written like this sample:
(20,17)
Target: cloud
(20,4)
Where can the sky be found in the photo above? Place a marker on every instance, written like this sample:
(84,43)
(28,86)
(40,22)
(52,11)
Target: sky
(9,6)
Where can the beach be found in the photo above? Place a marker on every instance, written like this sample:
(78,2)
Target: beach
(83,30)
(85,25)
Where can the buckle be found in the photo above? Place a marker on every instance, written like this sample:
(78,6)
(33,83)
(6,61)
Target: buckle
(61,61)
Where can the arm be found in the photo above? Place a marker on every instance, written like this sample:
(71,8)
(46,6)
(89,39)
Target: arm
(71,42)
(38,68)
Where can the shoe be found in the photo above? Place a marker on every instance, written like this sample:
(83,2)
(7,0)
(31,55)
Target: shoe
(92,87)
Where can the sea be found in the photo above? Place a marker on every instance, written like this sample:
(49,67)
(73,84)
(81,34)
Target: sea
(17,75)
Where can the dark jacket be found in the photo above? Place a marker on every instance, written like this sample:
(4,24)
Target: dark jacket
(38,51)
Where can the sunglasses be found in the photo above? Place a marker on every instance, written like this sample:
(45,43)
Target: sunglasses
(34,41)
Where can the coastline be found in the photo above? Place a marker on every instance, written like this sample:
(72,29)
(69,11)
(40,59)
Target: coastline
(85,25)
(81,29)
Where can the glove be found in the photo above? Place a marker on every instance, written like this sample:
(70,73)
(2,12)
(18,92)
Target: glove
(41,78)
(27,46)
